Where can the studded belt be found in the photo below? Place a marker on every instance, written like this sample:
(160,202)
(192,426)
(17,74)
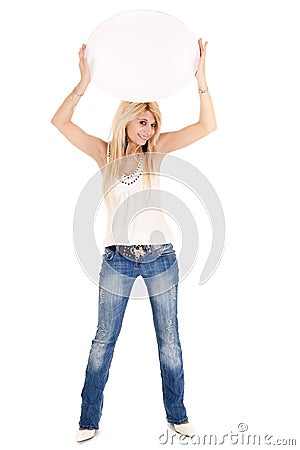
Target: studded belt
(132,251)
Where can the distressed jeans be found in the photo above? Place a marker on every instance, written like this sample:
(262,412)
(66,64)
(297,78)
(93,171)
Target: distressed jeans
(159,270)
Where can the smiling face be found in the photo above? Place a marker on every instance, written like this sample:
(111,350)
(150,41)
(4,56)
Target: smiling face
(141,129)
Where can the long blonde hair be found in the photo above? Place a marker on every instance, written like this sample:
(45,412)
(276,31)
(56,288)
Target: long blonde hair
(126,112)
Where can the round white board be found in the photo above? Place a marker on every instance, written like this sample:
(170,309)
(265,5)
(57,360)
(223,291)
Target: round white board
(142,56)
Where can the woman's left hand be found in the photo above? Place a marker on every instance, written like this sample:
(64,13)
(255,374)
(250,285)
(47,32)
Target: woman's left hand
(200,73)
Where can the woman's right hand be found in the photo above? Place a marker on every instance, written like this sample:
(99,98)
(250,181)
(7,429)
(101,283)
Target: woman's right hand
(84,67)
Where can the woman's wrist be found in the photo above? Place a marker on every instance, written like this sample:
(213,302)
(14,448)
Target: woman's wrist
(201,80)
(203,91)
(81,87)
(202,85)
(77,93)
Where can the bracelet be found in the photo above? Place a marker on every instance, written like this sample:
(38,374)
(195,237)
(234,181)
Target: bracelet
(74,104)
(202,91)
(76,93)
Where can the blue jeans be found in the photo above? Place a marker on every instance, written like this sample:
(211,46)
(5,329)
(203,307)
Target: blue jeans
(159,270)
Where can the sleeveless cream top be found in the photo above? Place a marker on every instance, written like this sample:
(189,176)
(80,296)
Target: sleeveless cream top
(136,217)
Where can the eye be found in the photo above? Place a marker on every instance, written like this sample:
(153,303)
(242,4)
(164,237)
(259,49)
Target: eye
(143,122)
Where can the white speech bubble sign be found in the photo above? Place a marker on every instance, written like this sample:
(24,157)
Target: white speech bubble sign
(142,56)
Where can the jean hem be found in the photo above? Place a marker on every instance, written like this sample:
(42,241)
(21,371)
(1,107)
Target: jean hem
(178,422)
(88,427)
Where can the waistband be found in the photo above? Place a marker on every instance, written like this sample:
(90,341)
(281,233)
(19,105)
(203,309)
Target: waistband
(138,250)
(151,246)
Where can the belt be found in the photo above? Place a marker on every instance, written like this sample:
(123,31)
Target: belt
(132,251)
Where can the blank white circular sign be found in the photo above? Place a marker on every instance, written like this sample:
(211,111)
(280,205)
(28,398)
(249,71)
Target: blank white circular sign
(142,56)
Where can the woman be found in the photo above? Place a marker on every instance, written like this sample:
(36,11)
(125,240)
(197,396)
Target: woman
(136,138)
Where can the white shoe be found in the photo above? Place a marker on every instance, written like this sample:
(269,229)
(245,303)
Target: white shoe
(83,435)
(185,428)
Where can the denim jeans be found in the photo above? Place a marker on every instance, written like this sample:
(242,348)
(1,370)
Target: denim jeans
(159,270)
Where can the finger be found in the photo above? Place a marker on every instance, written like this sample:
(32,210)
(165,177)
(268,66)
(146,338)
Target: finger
(201,46)
(83,47)
(81,54)
(203,49)
(83,50)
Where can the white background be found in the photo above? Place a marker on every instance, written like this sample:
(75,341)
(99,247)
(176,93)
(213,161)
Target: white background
(239,331)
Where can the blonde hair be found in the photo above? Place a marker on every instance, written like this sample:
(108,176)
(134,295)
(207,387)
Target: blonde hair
(126,112)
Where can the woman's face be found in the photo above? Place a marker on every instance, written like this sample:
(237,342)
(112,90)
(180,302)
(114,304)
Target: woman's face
(141,129)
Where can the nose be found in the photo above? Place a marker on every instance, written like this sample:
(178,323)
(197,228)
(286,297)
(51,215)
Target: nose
(149,130)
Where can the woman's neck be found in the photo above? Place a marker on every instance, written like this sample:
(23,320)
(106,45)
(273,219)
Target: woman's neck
(132,148)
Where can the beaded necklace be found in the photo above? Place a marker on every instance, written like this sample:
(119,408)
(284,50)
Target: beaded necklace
(134,176)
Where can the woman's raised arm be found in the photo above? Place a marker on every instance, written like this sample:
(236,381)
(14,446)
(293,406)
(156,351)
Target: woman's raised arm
(93,146)
(175,140)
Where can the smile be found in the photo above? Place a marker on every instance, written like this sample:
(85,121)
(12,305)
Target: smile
(143,137)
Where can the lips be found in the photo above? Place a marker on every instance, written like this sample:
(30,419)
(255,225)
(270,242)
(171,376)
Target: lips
(143,137)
